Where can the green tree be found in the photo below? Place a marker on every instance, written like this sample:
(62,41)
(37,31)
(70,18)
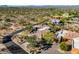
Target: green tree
(48,37)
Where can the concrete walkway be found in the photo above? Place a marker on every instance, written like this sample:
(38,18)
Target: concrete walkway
(52,50)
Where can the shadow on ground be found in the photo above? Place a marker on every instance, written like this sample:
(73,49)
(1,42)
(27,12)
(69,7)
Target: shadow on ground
(13,47)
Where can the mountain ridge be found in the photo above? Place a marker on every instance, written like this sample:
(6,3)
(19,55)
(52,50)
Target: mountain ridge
(42,6)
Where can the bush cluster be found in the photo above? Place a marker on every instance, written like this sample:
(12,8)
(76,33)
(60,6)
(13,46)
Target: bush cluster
(64,46)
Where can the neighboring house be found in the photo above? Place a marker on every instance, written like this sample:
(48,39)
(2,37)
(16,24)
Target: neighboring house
(44,28)
(57,17)
(37,26)
(40,30)
(41,27)
(55,21)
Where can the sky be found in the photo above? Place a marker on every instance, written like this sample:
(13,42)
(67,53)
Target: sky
(39,2)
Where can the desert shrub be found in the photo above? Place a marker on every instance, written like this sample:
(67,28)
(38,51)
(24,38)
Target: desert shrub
(4,25)
(29,27)
(64,46)
(32,41)
(48,37)
(8,20)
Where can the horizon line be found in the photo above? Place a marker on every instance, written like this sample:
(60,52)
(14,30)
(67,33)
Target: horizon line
(39,5)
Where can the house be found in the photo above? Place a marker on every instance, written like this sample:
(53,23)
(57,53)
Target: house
(57,17)
(41,27)
(55,21)
(76,42)
(37,26)
(44,28)
(40,30)
(72,38)
(75,46)
(67,34)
